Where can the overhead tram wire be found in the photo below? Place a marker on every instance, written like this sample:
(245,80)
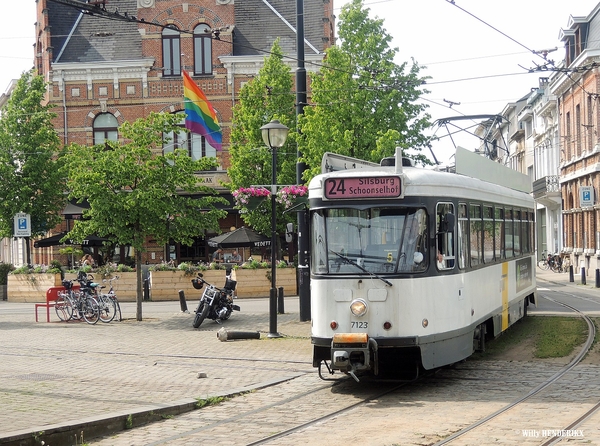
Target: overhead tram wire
(452,2)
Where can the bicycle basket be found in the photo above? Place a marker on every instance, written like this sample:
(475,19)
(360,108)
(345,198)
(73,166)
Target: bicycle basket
(68,284)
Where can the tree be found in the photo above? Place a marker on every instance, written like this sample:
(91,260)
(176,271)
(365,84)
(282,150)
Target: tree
(268,96)
(29,166)
(364,103)
(136,193)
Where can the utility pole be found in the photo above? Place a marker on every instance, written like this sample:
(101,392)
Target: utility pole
(303,236)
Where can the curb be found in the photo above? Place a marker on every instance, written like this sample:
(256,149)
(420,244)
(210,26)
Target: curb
(112,423)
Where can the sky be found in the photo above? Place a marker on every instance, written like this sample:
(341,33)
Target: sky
(468,61)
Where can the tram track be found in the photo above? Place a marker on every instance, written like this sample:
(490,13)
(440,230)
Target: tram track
(552,380)
(318,412)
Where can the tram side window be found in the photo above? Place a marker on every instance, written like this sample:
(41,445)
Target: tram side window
(499,233)
(445,236)
(319,251)
(488,234)
(525,240)
(531,222)
(508,233)
(518,227)
(463,236)
(476,225)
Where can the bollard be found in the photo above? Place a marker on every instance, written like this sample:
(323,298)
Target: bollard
(597,278)
(583,275)
(280,309)
(571,276)
(146,289)
(224,335)
(182,302)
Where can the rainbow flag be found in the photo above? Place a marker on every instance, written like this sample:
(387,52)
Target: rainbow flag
(201,117)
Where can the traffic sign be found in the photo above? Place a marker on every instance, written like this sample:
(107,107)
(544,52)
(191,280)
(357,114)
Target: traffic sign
(22,225)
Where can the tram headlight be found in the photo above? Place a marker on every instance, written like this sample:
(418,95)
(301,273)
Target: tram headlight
(358,307)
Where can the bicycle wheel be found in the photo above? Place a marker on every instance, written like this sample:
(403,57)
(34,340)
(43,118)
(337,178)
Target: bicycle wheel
(76,301)
(63,307)
(106,308)
(118,311)
(89,308)
(543,264)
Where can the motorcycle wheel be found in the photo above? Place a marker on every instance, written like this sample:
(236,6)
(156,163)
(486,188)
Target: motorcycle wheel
(201,315)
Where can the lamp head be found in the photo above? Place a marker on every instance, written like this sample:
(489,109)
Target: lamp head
(274,134)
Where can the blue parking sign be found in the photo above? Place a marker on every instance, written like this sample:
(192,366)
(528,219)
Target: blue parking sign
(22,225)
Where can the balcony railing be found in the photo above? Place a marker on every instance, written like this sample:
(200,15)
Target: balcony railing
(546,185)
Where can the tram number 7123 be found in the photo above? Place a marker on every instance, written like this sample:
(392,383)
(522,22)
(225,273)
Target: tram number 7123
(359,324)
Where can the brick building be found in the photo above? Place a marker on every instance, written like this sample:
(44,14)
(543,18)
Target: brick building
(125,60)
(577,92)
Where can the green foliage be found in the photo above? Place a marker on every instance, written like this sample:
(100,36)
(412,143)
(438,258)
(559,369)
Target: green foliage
(365,104)
(554,337)
(202,402)
(36,269)
(5,268)
(71,250)
(188,268)
(109,269)
(29,166)
(268,96)
(251,264)
(135,192)
(55,265)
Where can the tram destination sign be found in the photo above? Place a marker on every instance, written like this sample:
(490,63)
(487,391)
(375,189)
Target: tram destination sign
(363,187)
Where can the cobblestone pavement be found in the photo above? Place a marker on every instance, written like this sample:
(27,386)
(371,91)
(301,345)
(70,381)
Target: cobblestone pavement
(62,373)
(56,375)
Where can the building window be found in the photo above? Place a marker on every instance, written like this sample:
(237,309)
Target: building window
(202,49)
(171,48)
(105,128)
(568,135)
(578,129)
(195,145)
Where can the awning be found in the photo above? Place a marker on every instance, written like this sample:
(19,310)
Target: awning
(240,238)
(91,240)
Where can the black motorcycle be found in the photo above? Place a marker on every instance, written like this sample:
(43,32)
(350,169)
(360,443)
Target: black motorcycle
(215,303)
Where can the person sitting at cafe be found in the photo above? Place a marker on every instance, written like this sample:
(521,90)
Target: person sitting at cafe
(235,257)
(217,256)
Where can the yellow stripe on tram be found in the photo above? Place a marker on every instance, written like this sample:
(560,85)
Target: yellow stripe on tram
(504,296)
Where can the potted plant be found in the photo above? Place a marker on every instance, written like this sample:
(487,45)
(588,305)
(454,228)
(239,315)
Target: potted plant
(250,197)
(290,196)
(30,283)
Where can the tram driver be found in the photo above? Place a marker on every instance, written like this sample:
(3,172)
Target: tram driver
(413,249)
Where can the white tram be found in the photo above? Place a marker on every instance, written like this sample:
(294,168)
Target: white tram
(414,269)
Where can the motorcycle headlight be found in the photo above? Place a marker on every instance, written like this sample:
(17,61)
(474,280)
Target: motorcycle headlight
(358,307)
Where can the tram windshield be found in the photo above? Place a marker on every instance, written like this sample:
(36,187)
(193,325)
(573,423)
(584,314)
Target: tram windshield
(375,240)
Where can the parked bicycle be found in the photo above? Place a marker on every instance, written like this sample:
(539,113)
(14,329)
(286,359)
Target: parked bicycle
(543,262)
(551,261)
(108,302)
(71,304)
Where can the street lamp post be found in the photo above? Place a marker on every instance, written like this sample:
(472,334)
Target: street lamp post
(274,135)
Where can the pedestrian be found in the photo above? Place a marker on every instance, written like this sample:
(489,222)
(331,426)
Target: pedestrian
(87,260)
(217,256)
